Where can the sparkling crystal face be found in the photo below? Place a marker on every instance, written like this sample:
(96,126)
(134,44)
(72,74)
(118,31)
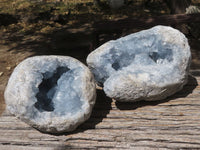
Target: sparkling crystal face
(136,53)
(47,89)
(59,91)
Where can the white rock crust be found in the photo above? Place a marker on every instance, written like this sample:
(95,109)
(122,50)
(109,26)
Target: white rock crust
(51,93)
(149,65)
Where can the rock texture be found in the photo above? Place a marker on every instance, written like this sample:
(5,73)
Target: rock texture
(51,93)
(149,65)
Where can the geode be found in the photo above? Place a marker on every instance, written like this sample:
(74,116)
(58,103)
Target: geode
(51,93)
(149,65)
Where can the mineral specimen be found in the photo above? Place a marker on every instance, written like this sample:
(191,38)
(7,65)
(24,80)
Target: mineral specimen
(149,65)
(51,93)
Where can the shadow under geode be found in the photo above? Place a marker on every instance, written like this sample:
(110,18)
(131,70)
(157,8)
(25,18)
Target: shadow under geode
(195,73)
(101,108)
(187,89)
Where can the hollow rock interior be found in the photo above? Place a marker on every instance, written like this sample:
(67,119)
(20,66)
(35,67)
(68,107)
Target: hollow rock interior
(57,92)
(157,54)
(148,52)
(149,58)
(47,89)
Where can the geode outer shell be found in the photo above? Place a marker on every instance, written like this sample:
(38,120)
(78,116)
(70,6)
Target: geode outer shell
(149,65)
(51,93)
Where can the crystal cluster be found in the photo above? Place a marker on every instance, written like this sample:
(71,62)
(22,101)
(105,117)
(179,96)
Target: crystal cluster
(149,65)
(51,93)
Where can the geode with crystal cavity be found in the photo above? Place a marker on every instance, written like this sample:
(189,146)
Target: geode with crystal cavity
(51,93)
(149,65)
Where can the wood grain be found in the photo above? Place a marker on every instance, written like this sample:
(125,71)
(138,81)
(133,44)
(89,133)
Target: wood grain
(173,123)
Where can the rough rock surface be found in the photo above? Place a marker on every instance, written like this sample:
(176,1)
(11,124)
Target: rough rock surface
(149,65)
(51,93)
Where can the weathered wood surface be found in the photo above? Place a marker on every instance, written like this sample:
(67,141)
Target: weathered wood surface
(168,124)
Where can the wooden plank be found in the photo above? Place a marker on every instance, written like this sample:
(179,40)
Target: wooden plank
(18,147)
(173,123)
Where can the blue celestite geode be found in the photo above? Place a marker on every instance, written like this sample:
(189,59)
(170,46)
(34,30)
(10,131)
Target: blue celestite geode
(149,65)
(51,93)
